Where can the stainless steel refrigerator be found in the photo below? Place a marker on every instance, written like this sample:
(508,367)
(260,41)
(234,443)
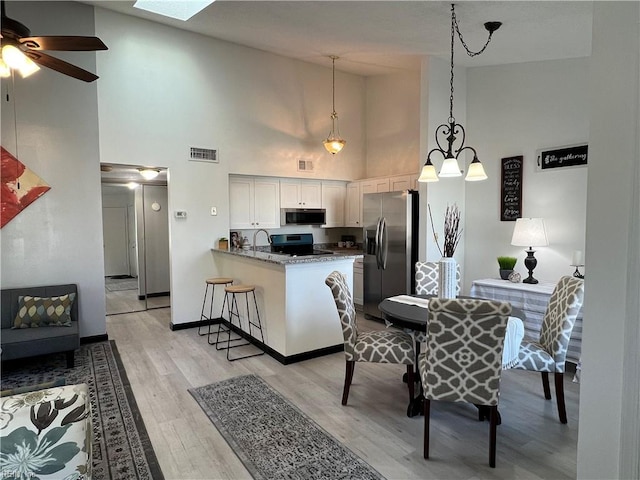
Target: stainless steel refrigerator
(390,246)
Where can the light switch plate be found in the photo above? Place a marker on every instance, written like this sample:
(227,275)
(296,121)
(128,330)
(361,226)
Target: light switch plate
(214,211)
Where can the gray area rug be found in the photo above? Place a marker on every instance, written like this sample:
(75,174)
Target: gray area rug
(272,437)
(121,446)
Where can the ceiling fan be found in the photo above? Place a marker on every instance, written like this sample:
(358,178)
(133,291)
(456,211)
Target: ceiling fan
(19,48)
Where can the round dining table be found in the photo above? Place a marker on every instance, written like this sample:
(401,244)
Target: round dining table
(410,312)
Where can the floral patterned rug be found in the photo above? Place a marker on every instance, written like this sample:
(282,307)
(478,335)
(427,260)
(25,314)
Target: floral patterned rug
(121,445)
(272,437)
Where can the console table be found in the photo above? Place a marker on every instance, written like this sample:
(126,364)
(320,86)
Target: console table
(533,300)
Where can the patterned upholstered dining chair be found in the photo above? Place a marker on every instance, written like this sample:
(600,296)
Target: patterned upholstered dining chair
(427,284)
(381,346)
(463,358)
(547,355)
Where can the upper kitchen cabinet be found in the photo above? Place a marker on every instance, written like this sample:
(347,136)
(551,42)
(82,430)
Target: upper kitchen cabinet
(254,202)
(400,183)
(353,208)
(333,198)
(374,185)
(300,193)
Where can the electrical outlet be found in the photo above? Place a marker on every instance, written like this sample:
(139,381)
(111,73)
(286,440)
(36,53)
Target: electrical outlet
(214,211)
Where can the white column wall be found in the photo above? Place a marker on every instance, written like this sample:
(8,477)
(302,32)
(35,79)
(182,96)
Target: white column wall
(58,238)
(609,436)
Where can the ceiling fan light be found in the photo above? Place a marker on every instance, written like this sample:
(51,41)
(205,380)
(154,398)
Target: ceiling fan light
(476,171)
(428,173)
(450,168)
(30,67)
(13,57)
(5,71)
(149,173)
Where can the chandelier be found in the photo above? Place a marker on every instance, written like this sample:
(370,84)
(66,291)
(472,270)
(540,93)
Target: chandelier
(334,143)
(449,131)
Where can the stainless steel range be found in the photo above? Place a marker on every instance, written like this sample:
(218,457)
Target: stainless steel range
(296,245)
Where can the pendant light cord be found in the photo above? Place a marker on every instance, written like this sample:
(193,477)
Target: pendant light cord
(333,84)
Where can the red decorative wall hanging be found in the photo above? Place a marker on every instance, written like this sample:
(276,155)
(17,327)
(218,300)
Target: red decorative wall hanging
(20,187)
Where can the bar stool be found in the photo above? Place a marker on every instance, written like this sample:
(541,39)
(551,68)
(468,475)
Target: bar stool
(211,282)
(234,312)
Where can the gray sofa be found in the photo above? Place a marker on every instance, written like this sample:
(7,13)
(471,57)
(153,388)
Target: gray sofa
(28,342)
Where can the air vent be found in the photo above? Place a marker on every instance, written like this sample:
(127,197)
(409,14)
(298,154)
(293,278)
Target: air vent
(305,165)
(203,155)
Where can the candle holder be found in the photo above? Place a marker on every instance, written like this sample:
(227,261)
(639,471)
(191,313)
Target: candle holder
(577,273)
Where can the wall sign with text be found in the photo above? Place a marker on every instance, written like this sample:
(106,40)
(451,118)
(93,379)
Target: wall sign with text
(572,156)
(511,189)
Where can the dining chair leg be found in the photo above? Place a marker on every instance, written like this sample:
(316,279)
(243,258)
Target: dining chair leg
(545,385)
(410,382)
(427,414)
(348,376)
(493,424)
(562,411)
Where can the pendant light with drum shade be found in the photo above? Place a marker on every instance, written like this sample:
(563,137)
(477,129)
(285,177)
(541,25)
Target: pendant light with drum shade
(449,131)
(334,143)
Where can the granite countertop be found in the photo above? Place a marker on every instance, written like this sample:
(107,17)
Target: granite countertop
(263,254)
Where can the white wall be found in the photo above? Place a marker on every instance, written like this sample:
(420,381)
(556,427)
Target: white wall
(393,124)
(58,238)
(609,436)
(517,110)
(263,112)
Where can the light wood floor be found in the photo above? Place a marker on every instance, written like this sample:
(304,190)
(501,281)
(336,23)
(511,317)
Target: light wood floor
(127,301)
(162,365)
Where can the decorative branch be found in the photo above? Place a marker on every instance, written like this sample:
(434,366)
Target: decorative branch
(435,235)
(452,230)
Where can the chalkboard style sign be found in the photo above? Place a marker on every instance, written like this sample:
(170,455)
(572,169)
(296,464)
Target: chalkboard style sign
(511,192)
(563,157)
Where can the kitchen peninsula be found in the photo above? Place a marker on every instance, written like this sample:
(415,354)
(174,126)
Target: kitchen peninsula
(297,311)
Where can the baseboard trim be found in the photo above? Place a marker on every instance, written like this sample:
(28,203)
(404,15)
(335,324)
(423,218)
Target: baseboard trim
(196,324)
(94,339)
(285,360)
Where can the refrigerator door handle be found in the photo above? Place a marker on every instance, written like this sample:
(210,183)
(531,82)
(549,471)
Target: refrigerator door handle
(384,243)
(378,244)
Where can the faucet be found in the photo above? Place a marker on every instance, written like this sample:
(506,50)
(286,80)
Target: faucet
(256,233)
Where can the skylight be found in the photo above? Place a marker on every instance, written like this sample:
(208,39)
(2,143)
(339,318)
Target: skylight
(179,9)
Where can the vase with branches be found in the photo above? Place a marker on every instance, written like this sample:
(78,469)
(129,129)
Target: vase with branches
(452,231)
(447,268)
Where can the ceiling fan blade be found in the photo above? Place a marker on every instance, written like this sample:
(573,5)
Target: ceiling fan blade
(60,42)
(60,66)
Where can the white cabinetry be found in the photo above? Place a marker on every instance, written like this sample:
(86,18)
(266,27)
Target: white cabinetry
(300,194)
(358,286)
(353,205)
(254,202)
(333,198)
(375,185)
(400,183)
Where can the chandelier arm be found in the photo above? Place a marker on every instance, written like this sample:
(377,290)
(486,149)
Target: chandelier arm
(443,129)
(475,154)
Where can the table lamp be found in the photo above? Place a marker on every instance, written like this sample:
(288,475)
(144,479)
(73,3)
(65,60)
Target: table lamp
(529,232)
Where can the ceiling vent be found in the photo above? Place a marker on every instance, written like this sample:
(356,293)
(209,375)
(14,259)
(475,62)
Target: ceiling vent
(203,155)
(305,165)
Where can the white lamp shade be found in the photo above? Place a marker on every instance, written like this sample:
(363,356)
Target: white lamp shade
(5,71)
(529,232)
(15,58)
(428,173)
(450,168)
(476,172)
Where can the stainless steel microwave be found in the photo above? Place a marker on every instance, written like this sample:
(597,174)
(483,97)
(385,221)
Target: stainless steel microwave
(303,216)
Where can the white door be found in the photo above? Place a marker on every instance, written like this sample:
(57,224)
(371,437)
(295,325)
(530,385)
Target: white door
(116,242)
